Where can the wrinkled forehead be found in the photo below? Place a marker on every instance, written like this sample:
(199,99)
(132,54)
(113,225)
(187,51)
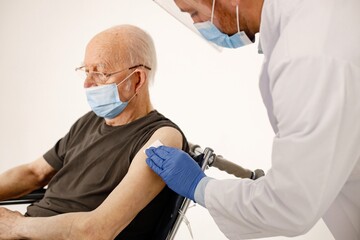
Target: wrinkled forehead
(104,52)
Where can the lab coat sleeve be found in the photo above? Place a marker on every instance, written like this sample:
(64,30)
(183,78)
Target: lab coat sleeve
(316,104)
(199,194)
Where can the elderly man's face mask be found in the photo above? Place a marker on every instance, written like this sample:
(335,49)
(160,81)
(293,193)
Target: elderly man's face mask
(198,15)
(105,101)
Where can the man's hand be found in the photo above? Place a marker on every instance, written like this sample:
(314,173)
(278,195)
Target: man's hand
(178,170)
(8,220)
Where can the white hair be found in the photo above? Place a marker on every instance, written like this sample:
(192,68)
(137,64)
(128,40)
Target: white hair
(139,48)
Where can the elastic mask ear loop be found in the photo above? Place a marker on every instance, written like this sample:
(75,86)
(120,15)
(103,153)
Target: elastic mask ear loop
(132,97)
(237,18)
(124,81)
(212,11)
(125,78)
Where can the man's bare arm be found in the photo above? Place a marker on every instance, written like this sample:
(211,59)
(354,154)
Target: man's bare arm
(25,178)
(112,216)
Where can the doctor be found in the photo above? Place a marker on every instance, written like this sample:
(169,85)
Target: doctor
(310,84)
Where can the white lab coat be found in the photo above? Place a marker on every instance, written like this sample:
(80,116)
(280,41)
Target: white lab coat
(310,84)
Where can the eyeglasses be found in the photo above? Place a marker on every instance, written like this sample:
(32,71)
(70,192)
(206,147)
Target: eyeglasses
(100,77)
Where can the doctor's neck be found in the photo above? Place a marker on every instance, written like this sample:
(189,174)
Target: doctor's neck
(249,15)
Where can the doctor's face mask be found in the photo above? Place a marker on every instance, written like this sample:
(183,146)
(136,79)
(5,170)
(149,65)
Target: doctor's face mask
(198,16)
(211,33)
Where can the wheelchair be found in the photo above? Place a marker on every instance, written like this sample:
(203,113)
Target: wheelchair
(174,214)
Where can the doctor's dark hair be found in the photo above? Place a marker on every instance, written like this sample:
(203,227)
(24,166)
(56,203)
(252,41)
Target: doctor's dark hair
(139,47)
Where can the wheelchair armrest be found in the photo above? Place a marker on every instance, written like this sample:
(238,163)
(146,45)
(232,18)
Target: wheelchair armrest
(29,198)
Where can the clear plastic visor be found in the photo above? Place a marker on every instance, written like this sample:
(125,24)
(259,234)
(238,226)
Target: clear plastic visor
(189,12)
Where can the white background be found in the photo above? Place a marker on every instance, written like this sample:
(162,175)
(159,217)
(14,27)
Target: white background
(213,96)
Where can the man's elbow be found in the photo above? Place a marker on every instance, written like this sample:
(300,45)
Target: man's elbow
(290,222)
(300,226)
(298,230)
(37,176)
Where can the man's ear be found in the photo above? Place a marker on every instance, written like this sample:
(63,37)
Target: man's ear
(141,80)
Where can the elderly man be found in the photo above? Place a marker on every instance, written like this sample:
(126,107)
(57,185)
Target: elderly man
(99,186)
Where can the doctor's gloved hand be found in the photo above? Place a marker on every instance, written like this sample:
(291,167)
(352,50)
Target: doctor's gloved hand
(177,168)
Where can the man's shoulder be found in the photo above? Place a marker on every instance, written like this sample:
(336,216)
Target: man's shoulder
(305,34)
(166,125)
(164,128)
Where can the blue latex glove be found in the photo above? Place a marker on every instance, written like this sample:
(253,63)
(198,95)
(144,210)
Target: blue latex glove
(177,168)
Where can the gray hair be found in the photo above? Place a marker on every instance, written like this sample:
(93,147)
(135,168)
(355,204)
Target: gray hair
(139,47)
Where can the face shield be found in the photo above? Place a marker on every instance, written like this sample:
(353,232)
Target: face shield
(198,16)
(189,12)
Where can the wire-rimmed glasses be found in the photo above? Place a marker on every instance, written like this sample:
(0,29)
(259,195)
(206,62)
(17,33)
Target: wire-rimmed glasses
(100,77)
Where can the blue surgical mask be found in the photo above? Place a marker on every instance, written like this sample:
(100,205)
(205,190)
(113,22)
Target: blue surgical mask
(105,100)
(211,33)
